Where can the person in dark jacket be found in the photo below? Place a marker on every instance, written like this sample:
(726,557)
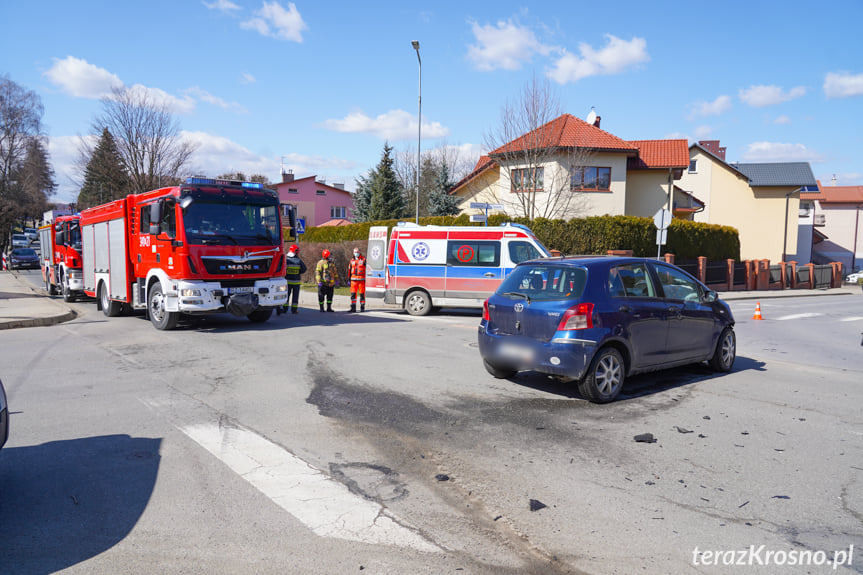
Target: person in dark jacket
(294,268)
(327,277)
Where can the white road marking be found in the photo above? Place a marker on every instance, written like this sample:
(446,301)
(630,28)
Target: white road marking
(324,505)
(798,316)
(851,319)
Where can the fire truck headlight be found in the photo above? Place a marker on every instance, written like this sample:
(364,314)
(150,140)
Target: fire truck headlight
(282,288)
(190,293)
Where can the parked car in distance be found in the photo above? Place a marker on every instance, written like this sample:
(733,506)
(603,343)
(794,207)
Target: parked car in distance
(4,416)
(23,259)
(20,241)
(598,320)
(854,277)
(32,234)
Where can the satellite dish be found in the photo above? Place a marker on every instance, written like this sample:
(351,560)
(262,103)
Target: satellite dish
(591,118)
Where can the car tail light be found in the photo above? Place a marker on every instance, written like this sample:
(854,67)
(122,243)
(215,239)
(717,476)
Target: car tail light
(485,315)
(577,317)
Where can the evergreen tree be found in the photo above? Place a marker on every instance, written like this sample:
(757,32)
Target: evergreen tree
(362,200)
(441,203)
(105,179)
(386,198)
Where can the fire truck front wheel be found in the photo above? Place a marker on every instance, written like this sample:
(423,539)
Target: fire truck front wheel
(109,307)
(418,303)
(160,317)
(68,295)
(260,315)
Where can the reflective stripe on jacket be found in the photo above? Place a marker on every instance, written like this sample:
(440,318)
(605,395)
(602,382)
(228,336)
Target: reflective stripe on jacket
(326,273)
(294,268)
(357,269)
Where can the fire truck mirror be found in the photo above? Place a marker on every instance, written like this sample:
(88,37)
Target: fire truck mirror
(155,218)
(60,238)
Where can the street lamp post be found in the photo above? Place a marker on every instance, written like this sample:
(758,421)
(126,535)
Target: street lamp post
(416,46)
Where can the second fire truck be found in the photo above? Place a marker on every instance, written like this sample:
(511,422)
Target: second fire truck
(202,247)
(60,257)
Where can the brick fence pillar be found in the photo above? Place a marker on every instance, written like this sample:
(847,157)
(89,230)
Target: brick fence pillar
(669,259)
(702,269)
(730,274)
(811,275)
(793,274)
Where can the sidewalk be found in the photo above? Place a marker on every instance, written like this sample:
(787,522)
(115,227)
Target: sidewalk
(23,306)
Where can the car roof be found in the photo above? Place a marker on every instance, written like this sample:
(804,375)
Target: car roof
(588,260)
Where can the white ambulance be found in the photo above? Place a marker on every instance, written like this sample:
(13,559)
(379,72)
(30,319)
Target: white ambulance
(427,267)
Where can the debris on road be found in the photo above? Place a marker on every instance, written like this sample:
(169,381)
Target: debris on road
(682,430)
(645,438)
(536,505)
(442,477)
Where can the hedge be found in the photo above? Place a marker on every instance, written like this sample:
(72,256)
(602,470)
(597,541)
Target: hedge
(583,236)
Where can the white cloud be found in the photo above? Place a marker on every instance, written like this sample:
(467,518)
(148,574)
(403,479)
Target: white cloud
(63,152)
(393,125)
(217,155)
(205,96)
(246,78)
(274,21)
(184,105)
(81,79)
(617,56)
(222,6)
(505,46)
(703,132)
(843,85)
(778,152)
(782,120)
(715,108)
(761,96)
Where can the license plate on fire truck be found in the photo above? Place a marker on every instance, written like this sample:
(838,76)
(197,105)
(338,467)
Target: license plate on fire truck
(235,290)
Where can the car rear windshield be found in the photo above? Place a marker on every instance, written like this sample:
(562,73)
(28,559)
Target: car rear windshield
(544,282)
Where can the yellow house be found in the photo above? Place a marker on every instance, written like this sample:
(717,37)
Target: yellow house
(760,200)
(570,168)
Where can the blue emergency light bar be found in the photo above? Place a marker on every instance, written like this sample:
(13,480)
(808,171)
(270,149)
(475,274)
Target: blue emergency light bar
(215,182)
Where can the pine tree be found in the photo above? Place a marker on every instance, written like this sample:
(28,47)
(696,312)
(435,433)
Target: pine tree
(386,198)
(441,203)
(36,180)
(105,179)
(362,200)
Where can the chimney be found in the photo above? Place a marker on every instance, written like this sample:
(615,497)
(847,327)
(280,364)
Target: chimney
(596,122)
(339,185)
(287,176)
(714,148)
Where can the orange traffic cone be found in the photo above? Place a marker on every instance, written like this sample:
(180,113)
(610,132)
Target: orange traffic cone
(757,311)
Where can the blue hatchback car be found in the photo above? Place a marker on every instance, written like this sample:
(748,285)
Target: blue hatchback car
(598,320)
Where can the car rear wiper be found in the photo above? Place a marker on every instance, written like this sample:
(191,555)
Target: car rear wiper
(518,294)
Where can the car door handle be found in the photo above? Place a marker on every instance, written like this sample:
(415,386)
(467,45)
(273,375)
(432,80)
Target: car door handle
(674,310)
(625,309)
(489,274)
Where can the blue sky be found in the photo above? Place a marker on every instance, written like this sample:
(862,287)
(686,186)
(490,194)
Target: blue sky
(320,86)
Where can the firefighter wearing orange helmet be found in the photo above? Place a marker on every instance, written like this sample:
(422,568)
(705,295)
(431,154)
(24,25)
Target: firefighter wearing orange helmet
(327,277)
(294,268)
(357,272)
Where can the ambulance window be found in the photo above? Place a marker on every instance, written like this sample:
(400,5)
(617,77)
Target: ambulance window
(473,253)
(375,257)
(522,251)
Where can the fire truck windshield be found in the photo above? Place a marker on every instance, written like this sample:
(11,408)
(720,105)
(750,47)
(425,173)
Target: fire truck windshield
(208,223)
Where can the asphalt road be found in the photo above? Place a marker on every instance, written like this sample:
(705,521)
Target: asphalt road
(337,443)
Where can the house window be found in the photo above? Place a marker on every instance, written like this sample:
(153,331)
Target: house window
(321,193)
(693,166)
(527,179)
(287,209)
(293,191)
(590,178)
(338,212)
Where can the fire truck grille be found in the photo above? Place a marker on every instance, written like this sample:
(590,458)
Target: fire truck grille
(227,267)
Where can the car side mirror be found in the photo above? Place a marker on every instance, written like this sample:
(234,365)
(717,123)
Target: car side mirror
(710,296)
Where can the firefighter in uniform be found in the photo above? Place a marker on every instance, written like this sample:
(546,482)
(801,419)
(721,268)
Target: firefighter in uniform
(327,277)
(357,271)
(294,268)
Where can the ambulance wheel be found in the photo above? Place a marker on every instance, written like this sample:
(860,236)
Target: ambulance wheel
(109,307)
(260,315)
(160,317)
(418,303)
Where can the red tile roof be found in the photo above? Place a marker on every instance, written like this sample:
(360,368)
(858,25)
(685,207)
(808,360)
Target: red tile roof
(660,154)
(835,194)
(483,164)
(567,131)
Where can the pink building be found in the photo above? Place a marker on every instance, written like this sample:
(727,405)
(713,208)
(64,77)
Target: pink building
(316,201)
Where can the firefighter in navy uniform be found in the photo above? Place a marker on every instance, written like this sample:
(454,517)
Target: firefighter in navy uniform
(294,268)
(328,278)
(357,271)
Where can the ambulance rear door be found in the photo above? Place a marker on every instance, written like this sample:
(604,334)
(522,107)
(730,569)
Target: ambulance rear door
(376,262)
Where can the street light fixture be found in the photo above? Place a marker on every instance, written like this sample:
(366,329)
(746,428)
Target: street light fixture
(416,46)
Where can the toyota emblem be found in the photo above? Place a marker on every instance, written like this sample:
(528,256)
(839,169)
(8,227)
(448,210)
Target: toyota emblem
(518,307)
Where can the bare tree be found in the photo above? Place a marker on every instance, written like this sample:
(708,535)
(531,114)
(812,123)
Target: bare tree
(24,164)
(431,162)
(147,137)
(536,169)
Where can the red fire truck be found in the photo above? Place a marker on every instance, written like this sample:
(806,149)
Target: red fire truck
(202,247)
(60,257)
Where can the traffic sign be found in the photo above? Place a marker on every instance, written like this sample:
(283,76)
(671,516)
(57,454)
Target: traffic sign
(478,218)
(301,225)
(662,219)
